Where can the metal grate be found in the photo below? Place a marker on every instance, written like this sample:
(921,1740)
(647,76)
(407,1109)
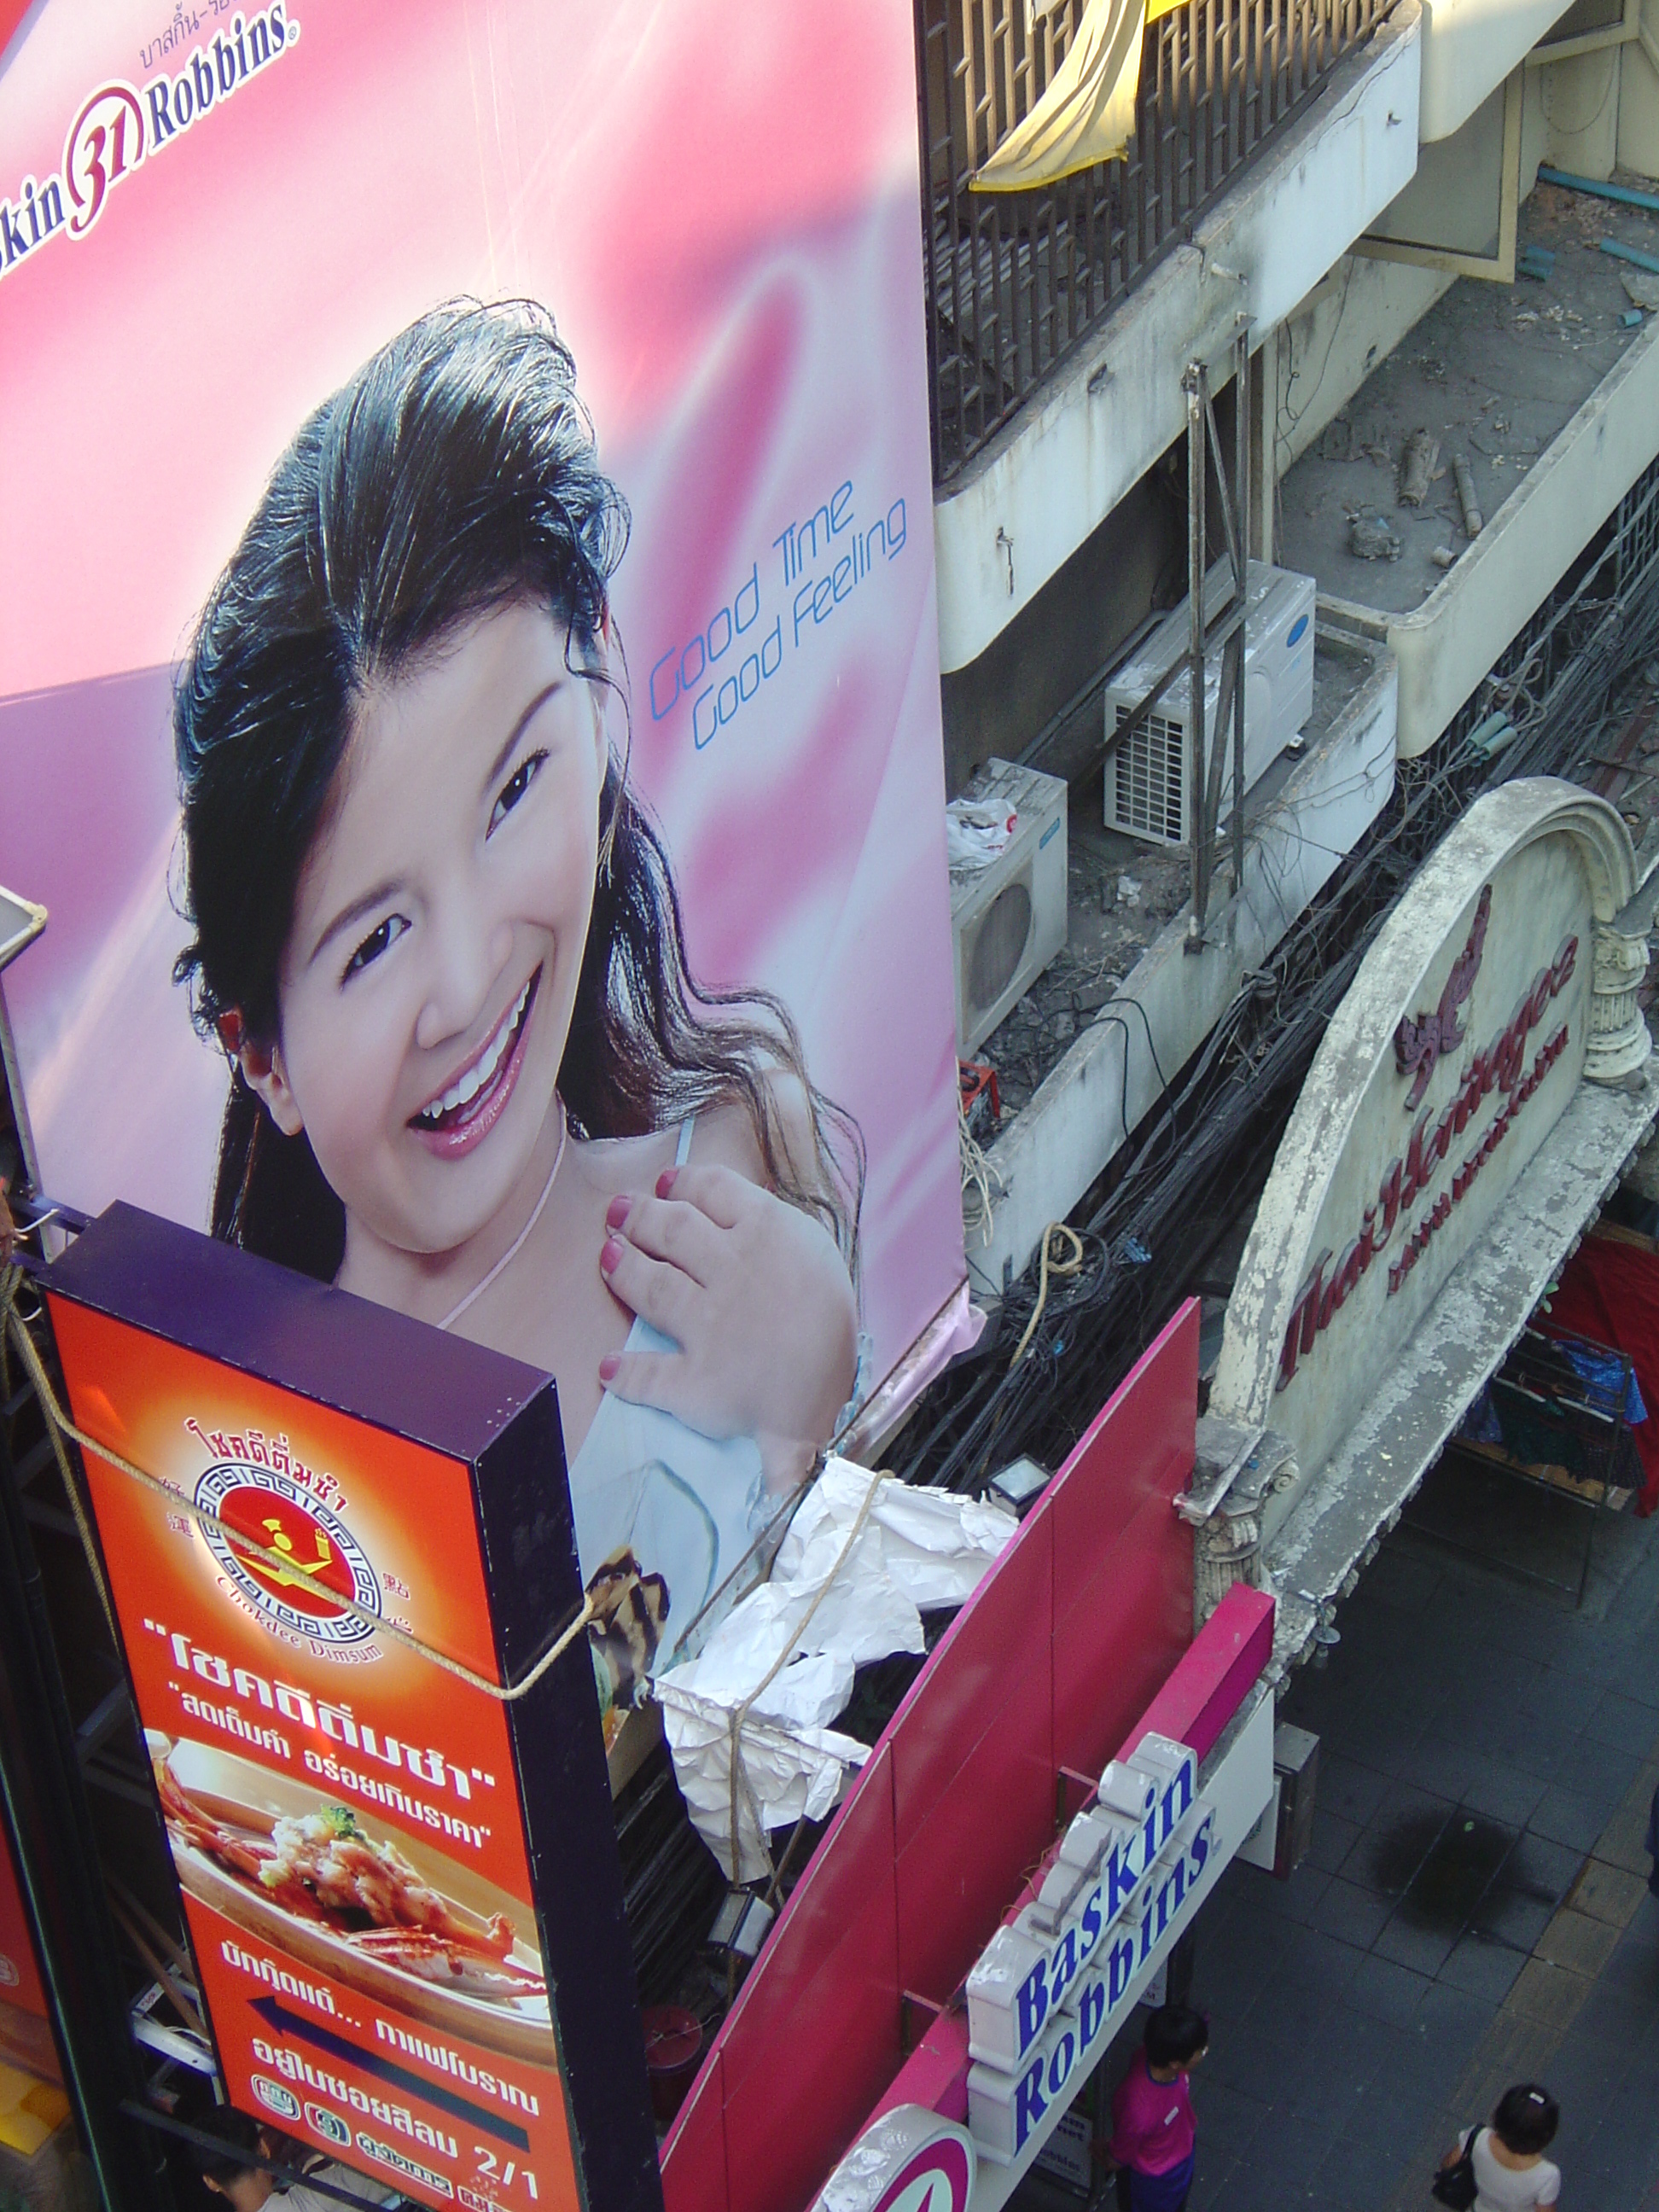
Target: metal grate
(1151,780)
(1016,279)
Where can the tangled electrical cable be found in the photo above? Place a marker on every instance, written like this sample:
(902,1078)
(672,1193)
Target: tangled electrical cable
(1203,1151)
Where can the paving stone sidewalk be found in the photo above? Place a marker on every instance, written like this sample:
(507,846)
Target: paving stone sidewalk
(1474,1908)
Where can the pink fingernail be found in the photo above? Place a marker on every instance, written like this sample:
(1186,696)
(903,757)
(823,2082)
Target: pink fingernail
(608,1365)
(610,1255)
(665,1182)
(616,1214)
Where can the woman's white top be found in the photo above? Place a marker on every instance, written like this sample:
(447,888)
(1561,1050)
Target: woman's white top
(689,1507)
(1500,2188)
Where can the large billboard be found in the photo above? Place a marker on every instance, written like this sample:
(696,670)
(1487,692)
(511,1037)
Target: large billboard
(401,1890)
(469,695)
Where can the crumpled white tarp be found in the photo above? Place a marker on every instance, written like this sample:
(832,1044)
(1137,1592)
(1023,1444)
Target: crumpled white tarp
(935,1545)
(786,1772)
(833,1605)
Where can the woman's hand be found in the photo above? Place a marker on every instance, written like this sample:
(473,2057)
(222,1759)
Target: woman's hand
(758,1299)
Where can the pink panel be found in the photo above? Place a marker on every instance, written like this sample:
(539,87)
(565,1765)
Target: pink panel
(935,2074)
(1140,1409)
(1208,1686)
(693,2158)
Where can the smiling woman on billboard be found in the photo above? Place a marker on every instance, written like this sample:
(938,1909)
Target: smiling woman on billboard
(472,1077)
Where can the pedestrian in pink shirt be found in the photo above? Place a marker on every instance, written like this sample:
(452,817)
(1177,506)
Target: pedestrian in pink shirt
(1151,2149)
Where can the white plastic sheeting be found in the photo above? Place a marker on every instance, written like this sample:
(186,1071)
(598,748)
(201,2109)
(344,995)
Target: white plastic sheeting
(865,1554)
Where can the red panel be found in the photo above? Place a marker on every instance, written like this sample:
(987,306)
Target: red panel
(996,1654)
(1113,1649)
(693,2158)
(958,1871)
(818,2030)
(1123,1559)
(1139,1447)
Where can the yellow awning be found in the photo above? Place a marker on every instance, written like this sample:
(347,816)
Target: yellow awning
(1087,113)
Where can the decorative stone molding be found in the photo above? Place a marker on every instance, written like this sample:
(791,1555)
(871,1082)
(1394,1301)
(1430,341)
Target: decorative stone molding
(1619,1039)
(1226,1549)
(1236,1472)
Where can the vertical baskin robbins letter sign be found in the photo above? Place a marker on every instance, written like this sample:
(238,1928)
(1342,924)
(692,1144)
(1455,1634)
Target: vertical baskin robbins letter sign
(402,1893)
(1051,1987)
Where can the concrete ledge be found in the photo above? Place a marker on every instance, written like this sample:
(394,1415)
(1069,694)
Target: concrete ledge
(1094,428)
(1456,1349)
(1469,47)
(1109,1080)
(1446,646)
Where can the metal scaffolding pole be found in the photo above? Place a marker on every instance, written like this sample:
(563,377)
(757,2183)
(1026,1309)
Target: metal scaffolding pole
(1228,632)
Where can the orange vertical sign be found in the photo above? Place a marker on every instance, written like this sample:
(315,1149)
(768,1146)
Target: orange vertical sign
(402,1892)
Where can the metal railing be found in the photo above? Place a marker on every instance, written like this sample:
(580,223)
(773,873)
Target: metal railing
(1016,279)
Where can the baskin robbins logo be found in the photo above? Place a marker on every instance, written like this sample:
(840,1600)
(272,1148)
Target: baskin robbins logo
(118,128)
(265,1493)
(908,2160)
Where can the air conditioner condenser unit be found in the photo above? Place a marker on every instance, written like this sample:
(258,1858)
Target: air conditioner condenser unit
(1007,910)
(1151,775)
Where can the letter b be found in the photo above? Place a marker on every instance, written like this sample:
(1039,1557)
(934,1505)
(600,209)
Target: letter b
(225,56)
(1119,1965)
(1033,2004)
(201,73)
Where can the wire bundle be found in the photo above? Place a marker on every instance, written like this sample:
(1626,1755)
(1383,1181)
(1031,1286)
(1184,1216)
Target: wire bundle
(1040,1374)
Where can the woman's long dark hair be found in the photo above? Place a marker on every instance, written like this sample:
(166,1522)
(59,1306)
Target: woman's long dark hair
(455,473)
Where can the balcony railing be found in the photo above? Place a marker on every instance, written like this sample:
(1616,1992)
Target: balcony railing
(1016,279)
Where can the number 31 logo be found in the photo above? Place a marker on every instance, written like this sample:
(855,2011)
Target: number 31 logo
(105,143)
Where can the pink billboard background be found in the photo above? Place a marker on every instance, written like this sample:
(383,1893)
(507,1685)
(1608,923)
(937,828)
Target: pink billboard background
(720,204)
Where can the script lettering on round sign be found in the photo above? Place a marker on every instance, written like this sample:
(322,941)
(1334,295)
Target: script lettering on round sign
(1501,1067)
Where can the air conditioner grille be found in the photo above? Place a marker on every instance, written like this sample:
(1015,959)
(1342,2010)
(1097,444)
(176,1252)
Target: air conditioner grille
(1151,779)
(999,945)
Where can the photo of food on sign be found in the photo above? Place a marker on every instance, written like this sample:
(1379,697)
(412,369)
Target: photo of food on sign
(439,940)
(396,1920)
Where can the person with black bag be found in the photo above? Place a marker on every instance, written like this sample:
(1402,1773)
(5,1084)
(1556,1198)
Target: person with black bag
(1502,2168)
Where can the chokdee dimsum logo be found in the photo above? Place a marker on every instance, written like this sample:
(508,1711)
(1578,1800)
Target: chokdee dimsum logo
(120,128)
(280,1508)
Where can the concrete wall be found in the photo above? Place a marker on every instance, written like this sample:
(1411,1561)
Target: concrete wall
(1593,114)
(1469,47)
(1074,451)
(1073,627)
(1447,645)
(1330,344)
(1456,201)
(1026,682)
(1638,98)
(1571,115)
